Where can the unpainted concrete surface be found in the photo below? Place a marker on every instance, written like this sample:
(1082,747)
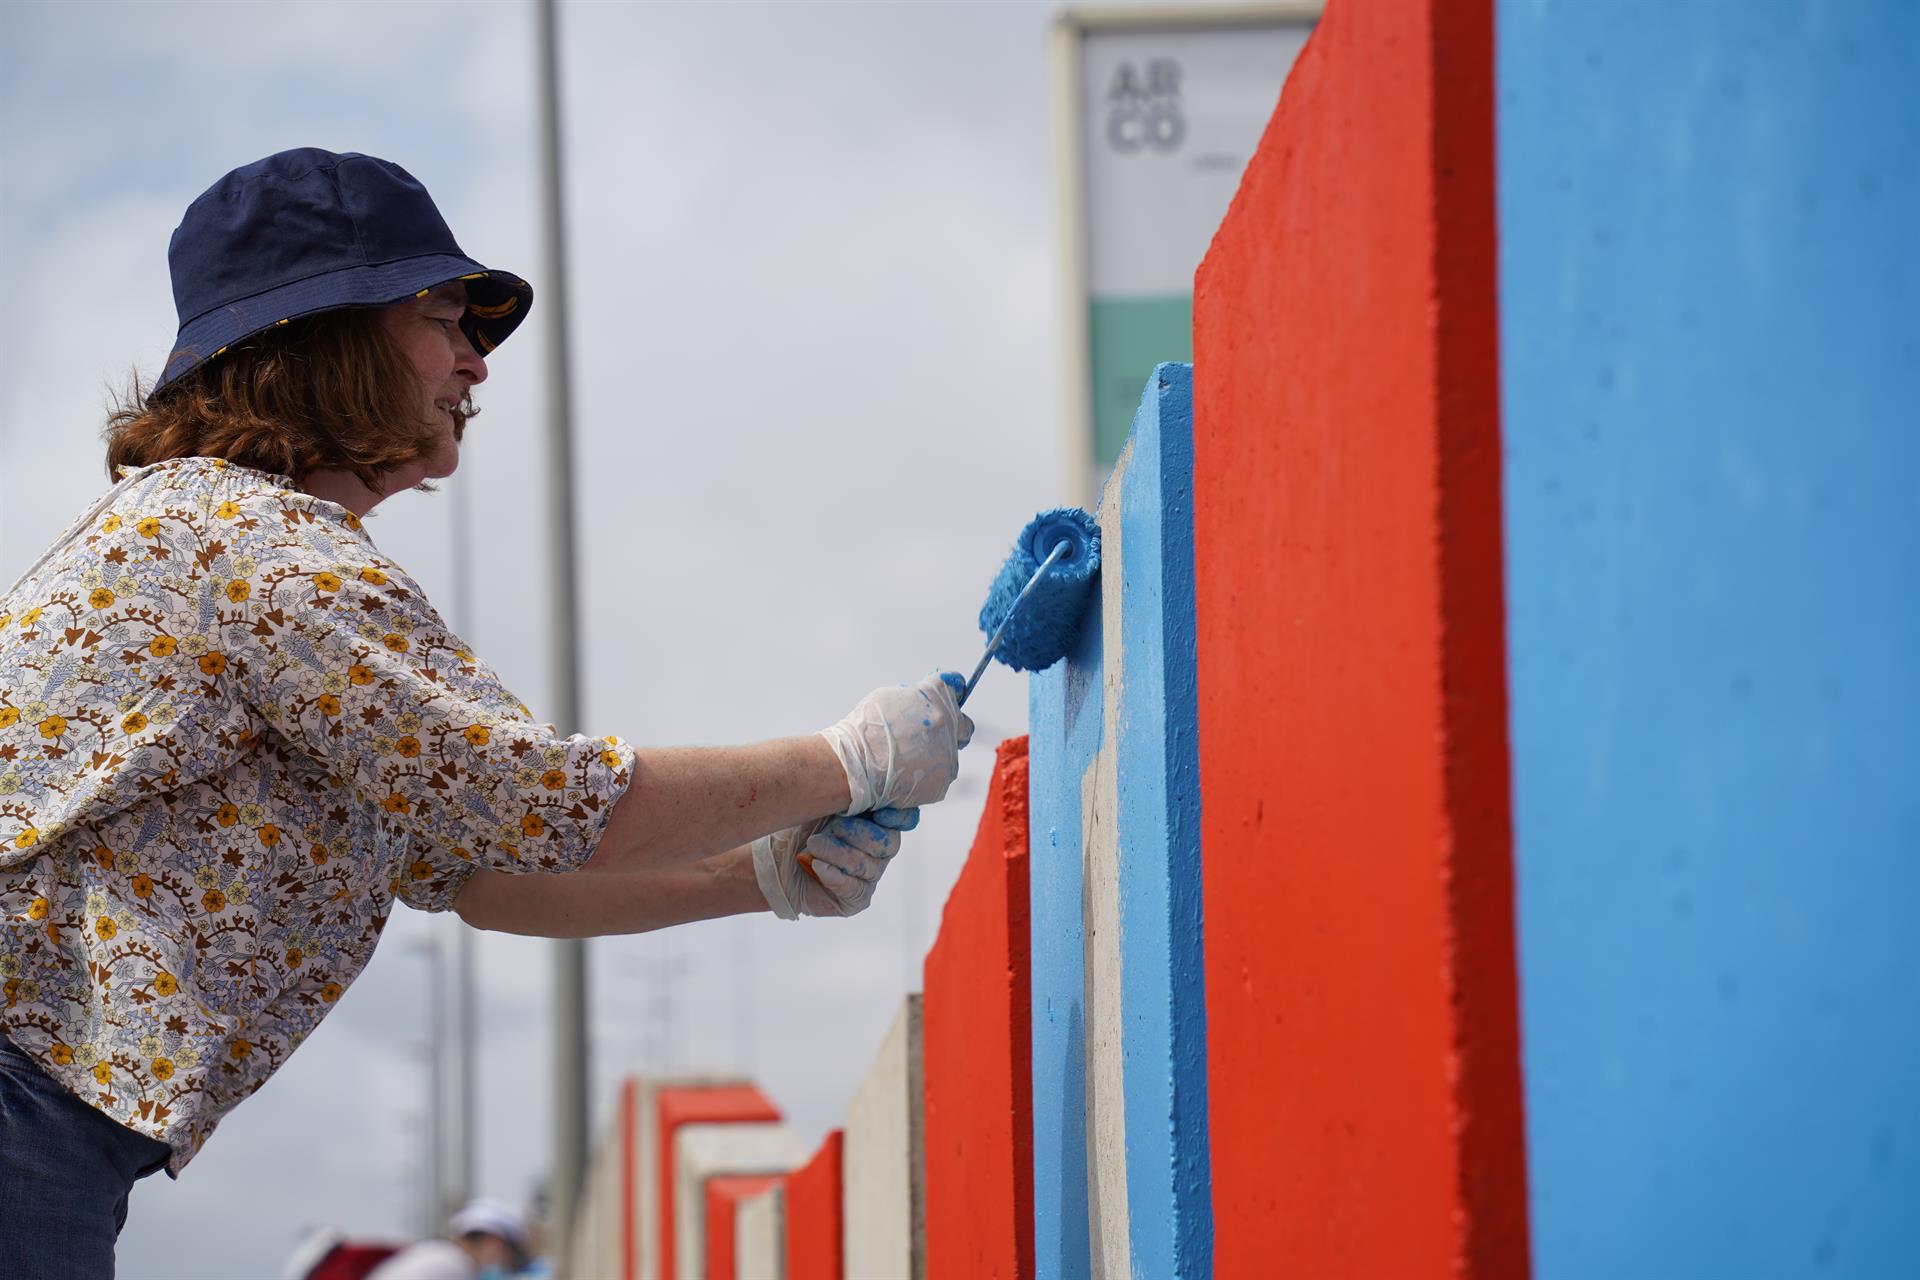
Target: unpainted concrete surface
(884,1207)
(703,1151)
(760,1235)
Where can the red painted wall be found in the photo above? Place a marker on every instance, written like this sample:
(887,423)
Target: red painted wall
(733,1104)
(1364,1085)
(724,1195)
(978,1050)
(814,1248)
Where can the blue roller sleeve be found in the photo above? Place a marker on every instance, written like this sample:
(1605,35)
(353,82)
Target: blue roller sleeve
(1041,632)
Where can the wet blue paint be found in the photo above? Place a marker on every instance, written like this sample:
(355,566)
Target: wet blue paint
(1157,766)
(1064,715)
(1162,975)
(1042,629)
(1710,309)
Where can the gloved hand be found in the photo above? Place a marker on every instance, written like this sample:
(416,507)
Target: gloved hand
(828,867)
(901,746)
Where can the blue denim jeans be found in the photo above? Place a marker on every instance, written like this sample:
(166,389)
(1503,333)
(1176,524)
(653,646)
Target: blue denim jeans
(65,1170)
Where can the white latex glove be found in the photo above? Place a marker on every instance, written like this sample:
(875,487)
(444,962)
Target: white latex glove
(901,746)
(828,867)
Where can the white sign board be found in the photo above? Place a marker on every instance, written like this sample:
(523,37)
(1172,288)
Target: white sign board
(1166,111)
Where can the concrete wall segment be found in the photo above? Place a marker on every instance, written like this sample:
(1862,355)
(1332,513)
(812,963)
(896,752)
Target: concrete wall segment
(1711,362)
(624,1264)
(596,1222)
(1109,1225)
(664,1105)
(726,1196)
(1361,1025)
(883,1205)
(704,1152)
(648,1167)
(760,1235)
(978,1054)
(1115,780)
(1066,716)
(1157,796)
(602,1225)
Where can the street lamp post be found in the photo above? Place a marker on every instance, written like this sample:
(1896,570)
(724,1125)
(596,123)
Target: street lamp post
(571,1051)
(433,1054)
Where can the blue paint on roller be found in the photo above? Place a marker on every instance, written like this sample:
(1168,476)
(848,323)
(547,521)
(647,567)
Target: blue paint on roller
(1042,631)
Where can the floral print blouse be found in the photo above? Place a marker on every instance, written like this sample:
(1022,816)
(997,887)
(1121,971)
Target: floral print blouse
(231,734)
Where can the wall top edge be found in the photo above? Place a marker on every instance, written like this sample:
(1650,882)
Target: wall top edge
(1079,20)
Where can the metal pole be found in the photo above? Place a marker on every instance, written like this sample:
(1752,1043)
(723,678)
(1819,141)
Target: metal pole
(460,1179)
(743,998)
(1080,466)
(571,1054)
(436,1072)
(457,1176)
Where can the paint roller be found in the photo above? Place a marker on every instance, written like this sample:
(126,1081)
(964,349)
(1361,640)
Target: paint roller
(1033,607)
(1034,603)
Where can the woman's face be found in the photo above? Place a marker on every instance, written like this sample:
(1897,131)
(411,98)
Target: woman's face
(427,330)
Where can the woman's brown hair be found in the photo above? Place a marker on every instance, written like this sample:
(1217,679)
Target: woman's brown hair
(327,391)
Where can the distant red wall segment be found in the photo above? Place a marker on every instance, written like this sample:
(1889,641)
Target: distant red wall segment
(1364,1085)
(978,1050)
(727,1104)
(814,1247)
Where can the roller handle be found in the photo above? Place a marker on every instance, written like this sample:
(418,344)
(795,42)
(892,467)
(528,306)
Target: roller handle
(1060,549)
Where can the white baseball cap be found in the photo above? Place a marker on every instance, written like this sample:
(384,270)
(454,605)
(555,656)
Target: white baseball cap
(493,1218)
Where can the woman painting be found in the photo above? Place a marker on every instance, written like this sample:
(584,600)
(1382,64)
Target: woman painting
(233,733)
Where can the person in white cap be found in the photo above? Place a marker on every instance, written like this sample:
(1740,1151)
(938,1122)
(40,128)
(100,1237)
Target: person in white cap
(487,1241)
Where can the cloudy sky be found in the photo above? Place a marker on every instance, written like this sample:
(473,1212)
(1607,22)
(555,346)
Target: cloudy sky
(814,310)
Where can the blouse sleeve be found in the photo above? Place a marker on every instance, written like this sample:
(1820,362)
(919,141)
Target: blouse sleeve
(339,651)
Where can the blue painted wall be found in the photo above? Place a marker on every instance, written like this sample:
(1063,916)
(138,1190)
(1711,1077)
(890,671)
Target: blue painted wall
(1157,766)
(1710,297)
(1162,980)
(1065,727)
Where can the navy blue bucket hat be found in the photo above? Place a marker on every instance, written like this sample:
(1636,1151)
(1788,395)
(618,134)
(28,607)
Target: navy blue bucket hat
(308,230)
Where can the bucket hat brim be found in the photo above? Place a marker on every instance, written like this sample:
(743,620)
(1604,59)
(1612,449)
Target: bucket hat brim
(497,301)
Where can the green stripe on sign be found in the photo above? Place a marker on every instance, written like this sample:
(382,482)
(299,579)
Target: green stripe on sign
(1127,337)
